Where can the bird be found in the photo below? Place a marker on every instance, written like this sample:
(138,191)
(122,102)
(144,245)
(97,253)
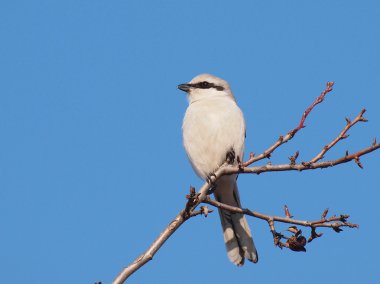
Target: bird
(214,132)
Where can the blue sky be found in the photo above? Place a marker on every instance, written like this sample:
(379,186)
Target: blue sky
(92,166)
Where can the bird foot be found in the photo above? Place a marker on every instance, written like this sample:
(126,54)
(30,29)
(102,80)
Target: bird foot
(240,163)
(210,180)
(230,156)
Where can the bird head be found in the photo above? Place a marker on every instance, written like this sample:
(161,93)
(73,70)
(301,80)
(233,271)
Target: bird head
(206,86)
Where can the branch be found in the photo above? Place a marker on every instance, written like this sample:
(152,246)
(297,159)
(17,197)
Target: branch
(296,242)
(193,201)
(283,139)
(341,136)
(228,170)
(151,251)
(196,199)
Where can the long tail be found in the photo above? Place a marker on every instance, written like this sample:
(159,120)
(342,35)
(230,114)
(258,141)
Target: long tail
(237,235)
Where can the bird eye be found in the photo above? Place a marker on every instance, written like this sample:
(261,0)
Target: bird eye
(205,84)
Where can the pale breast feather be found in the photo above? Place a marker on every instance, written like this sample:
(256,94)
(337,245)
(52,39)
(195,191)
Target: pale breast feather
(210,129)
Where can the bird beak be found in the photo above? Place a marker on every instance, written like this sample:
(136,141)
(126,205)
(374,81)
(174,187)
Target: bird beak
(184,87)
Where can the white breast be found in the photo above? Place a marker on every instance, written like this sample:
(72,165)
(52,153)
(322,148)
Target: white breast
(211,127)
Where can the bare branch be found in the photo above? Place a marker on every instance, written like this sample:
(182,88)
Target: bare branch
(296,242)
(294,158)
(320,99)
(324,214)
(193,201)
(151,251)
(283,139)
(302,166)
(341,136)
(287,212)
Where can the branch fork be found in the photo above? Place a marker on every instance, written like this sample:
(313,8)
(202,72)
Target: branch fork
(296,241)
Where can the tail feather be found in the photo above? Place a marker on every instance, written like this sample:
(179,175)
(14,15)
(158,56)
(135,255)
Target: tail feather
(237,235)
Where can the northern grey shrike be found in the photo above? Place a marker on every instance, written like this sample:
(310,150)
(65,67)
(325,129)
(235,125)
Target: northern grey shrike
(213,132)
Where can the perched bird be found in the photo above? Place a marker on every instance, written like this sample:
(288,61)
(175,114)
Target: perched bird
(213,132)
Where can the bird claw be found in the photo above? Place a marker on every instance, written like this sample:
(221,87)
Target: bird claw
(209,179)
(230,156)
(240,163)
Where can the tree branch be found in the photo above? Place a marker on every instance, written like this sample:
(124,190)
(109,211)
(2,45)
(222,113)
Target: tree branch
(228,169)
(283,139)
(193,201)
(341,136)
(297,241)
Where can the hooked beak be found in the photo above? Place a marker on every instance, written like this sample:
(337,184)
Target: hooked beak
(184,87)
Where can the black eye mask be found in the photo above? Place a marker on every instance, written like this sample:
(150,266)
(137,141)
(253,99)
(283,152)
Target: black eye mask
(206,85)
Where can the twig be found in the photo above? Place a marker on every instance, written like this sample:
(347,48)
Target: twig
(283,139)
(320,99)
(228,169)
(341,136)
(296,243)
(193,201)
